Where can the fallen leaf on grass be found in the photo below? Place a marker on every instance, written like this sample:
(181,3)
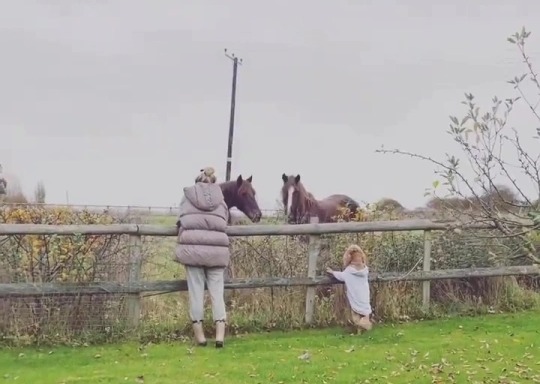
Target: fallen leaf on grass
(305,356)
(436,368)
(350,349)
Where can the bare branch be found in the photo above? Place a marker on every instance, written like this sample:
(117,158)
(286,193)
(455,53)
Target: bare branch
(482,197)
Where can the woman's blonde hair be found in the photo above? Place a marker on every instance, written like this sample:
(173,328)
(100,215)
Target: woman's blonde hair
(354,255)
(206,176)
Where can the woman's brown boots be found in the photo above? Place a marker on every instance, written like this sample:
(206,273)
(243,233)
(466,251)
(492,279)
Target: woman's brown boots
(365,323)
(198,330)
(220,333)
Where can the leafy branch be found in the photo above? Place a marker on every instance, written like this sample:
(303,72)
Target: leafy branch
(486,184)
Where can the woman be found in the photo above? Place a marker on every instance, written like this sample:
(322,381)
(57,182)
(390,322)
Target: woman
(203,248)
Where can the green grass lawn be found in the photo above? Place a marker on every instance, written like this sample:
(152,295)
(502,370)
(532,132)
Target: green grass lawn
(492,349)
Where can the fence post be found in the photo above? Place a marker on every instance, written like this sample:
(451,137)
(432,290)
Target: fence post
(426,285)
(135,266)
(314,249)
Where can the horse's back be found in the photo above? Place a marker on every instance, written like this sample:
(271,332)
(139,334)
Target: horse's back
(341,201)
(331,206)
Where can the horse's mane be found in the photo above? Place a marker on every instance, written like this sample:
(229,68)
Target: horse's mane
(306,199)
(232,186)
(228,185)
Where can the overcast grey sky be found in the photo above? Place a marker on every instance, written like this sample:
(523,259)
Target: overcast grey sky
(123,101)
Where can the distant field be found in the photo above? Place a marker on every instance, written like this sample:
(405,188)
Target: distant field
(160,219)
(491,349)
(238,218)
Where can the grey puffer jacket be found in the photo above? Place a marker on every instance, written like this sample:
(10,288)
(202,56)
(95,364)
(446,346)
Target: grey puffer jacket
(202,239)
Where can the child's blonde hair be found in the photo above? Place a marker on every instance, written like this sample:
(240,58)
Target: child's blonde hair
(354,255)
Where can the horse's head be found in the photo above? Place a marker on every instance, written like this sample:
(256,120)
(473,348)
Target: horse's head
(244,198)
(294,197)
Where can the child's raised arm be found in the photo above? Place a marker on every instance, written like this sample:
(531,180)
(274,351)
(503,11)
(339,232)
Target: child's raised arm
(337,274)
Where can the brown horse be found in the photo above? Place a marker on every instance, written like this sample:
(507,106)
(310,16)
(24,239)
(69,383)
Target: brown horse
(239,193)
(300,205)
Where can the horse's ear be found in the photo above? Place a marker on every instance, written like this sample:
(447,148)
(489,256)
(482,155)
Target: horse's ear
(250,179)
(297,179)
(284,178)
(239,180)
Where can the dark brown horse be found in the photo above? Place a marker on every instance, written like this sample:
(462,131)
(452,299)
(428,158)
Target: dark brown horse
(240,193)
(300,205)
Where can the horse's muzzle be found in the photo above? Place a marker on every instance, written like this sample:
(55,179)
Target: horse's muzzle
(256,217)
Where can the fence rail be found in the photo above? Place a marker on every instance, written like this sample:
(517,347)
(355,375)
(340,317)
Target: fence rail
(134,287)
(246,230)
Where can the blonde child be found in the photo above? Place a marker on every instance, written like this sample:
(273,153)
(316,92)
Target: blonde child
(355,276)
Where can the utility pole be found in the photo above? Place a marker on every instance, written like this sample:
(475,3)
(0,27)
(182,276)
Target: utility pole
(236,61)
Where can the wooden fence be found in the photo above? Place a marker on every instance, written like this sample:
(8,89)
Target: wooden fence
(134,287)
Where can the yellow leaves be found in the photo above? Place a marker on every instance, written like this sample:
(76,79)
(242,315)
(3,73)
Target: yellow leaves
(30,214)
(36,242)
(63,277)
(52,257)
(17,215)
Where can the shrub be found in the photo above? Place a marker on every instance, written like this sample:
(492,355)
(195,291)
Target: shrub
(76,259)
